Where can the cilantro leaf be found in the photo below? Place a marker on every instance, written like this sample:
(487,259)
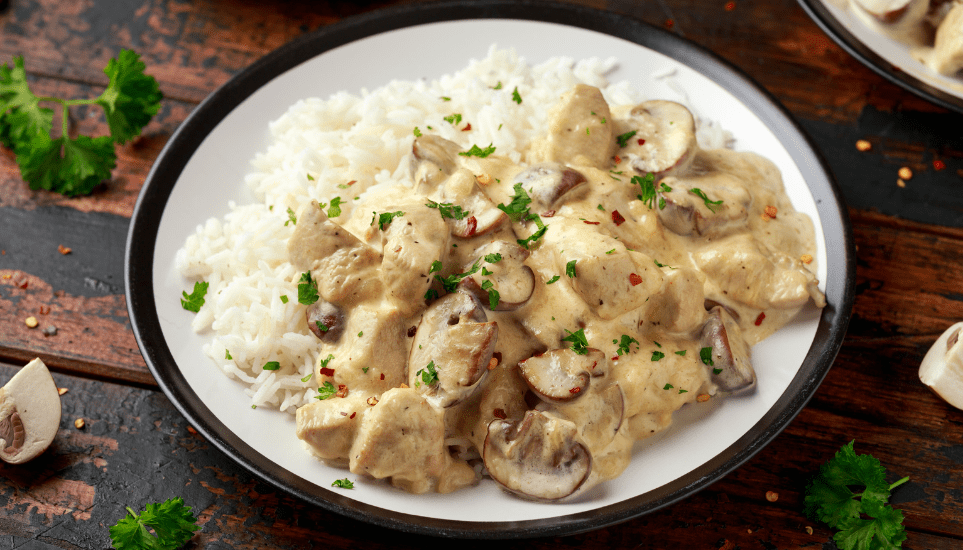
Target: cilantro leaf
(194,300)
(131,98)
(863,519)
(657,355)
(171,521)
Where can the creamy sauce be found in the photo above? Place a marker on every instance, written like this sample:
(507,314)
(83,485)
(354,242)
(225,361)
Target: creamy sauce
(605,322)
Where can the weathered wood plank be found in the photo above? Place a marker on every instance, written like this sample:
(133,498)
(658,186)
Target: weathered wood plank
(136,448)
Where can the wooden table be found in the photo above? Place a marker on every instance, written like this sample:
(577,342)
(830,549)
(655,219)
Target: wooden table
(136,448)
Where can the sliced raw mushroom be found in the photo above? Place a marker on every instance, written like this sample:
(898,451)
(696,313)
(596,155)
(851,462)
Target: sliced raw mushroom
(325,320)
(942,367)
(547,183)
(451,349)
(561,375)
(664,142)
(539,457)
(506,282)
(722,208)
(729,355)
(434,158)
(29,413)
(598,415)
(579,130)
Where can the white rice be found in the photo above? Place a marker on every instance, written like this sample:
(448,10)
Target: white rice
(363,138)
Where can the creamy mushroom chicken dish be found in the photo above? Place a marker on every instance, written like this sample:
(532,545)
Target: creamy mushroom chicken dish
(537,318)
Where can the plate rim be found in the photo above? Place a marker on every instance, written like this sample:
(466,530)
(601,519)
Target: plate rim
(163,176)
(819,13)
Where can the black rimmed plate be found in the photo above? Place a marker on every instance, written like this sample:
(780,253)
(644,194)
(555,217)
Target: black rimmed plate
(890,58)
(203,166)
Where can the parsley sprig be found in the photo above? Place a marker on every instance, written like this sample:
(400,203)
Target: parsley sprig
(864,520)
(171,522)
(194,300)
(578,340)
(74,166)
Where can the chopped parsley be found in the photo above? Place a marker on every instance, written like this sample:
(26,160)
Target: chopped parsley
(450,283)
(623,139)
(431,294)
(542,228)
(706,355)
(194,300)
(486,272)
(445,98)
(272,365)
(600,207)
(435,266)
(326,391)
(516,97)
(552,280)
(625,343)
(498,86)
(324,362)
(417,132)
(570,269)
(661,264)
(646,184)
(517,210)
(292,219)
(680,352)
(705,199)
(476,151)
(667,386)
(683,391)
(307,289)
(227,355)
(171,522)
(284,298)
(428,374)
(454,119)
(578,340)
(360,334)
(335,209)
(343,483)
(308,377)
(385,218)
(322,326)
(657,355)
(493,295)
(493,258)
(448,210)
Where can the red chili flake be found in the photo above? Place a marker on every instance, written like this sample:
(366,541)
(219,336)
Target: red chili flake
(352,415)
(412,331)
(499,413)
(634,279)
(760,318)
(342,391)
(344,413)
(730,5)
(574,390)
(63,249)
(467,127)
(617,218)
(548,214)
(44,310)
(669,23)
(618,159)
(615,357)
(938,165)
(382,376)
(352,182)
(591,223)
(472,225)
(641,141)
(24,284)
(325,371)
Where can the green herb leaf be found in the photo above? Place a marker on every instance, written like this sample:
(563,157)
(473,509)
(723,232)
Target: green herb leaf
(227,355)
(647,185)
(435,266)
(454,119)
(570,269)
(131,98)
(429,375)
(194,300)
(623,139)
(552,280)
(284,298)
(335,209)
(450,283)
(307,289)
(476,151)
(625,343)
(385,218)
(417,132)
(272,365)
(326,390)
(172,523)
(493,258)
(538,234)
(668,387)
(680,352)
(706,355)
(343,483)
(710,204)
(516,97)
(578,340)
(657,355)
(517,209)
(292,219)
(448,210)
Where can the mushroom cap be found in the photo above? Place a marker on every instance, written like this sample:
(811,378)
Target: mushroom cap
(942,367)
(666,130)
(548,183)
(561,375)
(325,320)
(29,413)
(509,276)
(731,364)
(539,457)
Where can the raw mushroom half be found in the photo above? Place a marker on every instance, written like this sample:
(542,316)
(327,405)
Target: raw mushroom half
(730,357)
(508,276)
(29,413)
(539,457)
(942,367)
(451,350)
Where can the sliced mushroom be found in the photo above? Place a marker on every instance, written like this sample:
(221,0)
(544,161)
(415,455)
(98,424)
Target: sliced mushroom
(451,350)
(462,190)
(729,362)
(664,142)
(547,183)
(434,158)
(539,457)
(942,367)
(579,129)
(29,413)
(598,414)
(561,375)
(341,264)
(325,320)
(686,213)
(508,276)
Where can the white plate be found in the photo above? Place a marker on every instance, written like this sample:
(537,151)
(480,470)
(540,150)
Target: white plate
(890,58)
(203,166)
